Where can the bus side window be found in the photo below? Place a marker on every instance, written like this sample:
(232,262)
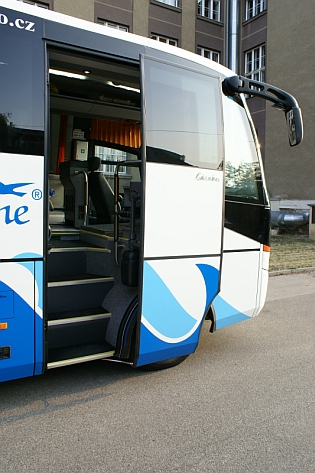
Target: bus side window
(22,94)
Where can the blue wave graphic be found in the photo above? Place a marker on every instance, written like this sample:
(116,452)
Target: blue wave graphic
(24,335)
(227,314)
(161,309)
(153,349)
(211,278)
(36,271)
(4,287)
(28,256)
(167,316)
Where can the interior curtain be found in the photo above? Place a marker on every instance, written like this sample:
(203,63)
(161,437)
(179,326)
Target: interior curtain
(62,142)
(120,133)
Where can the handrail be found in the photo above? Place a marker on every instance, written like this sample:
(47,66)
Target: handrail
(133,163)
(86,189)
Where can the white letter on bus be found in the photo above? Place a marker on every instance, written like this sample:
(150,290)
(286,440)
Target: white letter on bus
(3,19)
(29,26)
(19,24)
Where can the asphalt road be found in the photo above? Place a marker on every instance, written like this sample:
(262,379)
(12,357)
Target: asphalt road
(244,402)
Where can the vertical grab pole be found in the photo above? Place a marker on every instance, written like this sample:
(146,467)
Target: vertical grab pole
(86,194)
(116,221)
(116,196)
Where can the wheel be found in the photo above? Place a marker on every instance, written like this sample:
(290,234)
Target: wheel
(165,364)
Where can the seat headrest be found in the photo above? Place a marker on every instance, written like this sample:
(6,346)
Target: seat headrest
(94,163)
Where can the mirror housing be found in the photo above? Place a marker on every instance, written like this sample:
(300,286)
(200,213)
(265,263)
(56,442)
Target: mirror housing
(295,126)
(281,100)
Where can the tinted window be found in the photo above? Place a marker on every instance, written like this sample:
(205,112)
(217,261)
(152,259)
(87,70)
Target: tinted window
(183,116)
(22,85)
(243,180)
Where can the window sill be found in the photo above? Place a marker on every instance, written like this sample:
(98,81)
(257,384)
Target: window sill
(164,5)
(253,18)
(208,20)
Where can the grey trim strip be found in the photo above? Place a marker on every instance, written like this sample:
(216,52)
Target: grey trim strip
(79,248)
(82,359)
(78,282)
(241,251)
(150,258)
(73,320)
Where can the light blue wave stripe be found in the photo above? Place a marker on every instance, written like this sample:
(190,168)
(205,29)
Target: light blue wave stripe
(226,314)
(161,309)
(27,255)
(38,268)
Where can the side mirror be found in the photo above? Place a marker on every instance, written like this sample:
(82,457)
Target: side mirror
(281,100)
(295,125)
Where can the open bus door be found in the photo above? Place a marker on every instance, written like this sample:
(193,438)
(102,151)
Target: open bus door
(183,207)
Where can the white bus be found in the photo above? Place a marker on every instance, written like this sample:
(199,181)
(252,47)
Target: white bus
(133,204)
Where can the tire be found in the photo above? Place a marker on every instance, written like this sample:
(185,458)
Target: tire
(165,364)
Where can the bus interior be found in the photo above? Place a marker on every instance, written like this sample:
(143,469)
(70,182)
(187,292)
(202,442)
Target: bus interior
(94,213)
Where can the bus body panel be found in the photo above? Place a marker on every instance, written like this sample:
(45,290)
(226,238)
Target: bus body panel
(20,309)
(243,287)
(237,299)
(183,202)
(243,282)
(177,227)
(263,281)
(176,295)
(21,241)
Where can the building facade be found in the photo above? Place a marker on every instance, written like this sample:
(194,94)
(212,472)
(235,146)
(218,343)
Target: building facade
(291,63)
(264,40)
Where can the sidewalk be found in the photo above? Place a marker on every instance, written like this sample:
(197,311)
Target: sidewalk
(291,254)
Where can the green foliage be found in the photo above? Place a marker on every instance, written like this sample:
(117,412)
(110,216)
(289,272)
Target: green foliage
(241,179)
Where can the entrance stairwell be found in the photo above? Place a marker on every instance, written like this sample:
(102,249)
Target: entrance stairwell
(76,321)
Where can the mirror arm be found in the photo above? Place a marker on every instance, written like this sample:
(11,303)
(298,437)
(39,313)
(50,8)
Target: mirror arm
(239,84)
(281,100)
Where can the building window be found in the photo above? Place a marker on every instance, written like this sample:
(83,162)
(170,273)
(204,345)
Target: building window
(164,39)
(255,64)
(214,55)
(114,155)
(36,4)
(254,7)
(173,3)
(111,24)
(210,9)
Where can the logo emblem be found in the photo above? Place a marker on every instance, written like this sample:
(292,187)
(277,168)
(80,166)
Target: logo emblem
(12,214)
(9,189)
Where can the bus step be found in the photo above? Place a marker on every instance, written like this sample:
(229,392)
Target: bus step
(81,353)
(60,232)
(81,292)
(73,260)
(74,330)
(55,318)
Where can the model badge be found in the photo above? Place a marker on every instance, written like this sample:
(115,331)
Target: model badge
(203,177)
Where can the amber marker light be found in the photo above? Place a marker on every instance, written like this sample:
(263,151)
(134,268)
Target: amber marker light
(3,325)
(266,248)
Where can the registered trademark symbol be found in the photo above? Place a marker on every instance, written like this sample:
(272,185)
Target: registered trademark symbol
(37,194)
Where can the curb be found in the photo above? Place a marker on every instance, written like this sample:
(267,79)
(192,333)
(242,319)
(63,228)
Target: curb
(283,272)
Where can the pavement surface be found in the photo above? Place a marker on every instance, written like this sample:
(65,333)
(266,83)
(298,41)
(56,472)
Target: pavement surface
(244,402)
